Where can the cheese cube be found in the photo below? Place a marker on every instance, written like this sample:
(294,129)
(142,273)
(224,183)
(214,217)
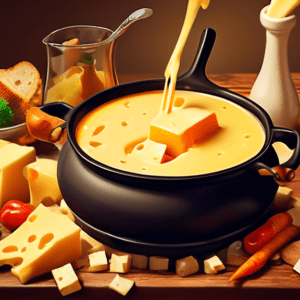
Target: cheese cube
(13,159)
(139,261)
(121,285)
(297,267)
(120,264)
(187,266)
(43,184)
(213,265)
(150,151)
(66,280)
(158,263)
(88,245)
(181,128)
(45,241)
(97,262)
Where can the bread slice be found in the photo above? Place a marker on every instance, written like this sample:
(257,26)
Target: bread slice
(18,86)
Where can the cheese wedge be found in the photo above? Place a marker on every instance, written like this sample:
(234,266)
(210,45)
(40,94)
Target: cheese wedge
(181,128)
(66,280)
(121,285)
(43,184)
(13,159)
(45,241)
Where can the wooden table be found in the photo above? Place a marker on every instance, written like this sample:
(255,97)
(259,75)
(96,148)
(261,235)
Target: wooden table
(272,282)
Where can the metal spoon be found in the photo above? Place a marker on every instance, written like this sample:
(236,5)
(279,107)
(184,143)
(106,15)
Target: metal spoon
(135,16)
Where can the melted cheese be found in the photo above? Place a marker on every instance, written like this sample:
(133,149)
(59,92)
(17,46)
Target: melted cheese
(282,8)
(110,132)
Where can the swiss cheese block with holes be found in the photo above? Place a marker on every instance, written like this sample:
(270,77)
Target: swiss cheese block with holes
(43,183)
(181,128)
(13,159)
(45,241)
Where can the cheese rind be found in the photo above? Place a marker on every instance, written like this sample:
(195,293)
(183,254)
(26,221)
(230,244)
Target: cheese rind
(45,241)
(43,183)
(66,280)
(13,159)
(181,128)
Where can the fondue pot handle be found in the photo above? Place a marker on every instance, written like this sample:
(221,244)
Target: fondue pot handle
(285,171)
(48,122)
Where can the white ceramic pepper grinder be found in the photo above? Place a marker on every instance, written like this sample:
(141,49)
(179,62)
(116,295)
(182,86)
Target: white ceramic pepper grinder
(274,88)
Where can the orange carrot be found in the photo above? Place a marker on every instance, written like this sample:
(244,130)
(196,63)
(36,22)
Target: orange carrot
(262,235)
(260,258)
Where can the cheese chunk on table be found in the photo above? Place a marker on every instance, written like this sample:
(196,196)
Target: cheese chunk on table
(186,266)
(66,280)
(45,241)
(158,263)
(121,285)
(43,183)
(13,159)
(181,128)
(97,262)
(120,264)
(213,265)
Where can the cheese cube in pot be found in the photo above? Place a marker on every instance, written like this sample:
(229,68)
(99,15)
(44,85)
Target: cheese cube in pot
(181,128)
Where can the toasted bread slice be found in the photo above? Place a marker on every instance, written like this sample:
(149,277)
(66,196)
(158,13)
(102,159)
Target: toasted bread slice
(18,86)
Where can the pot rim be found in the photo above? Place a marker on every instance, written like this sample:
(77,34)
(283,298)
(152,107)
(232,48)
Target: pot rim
(142,86)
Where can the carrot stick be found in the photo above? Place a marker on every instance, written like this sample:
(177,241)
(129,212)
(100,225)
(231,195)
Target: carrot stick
(260,258)
(262,235)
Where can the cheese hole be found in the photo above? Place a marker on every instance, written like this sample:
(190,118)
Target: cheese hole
(221,153)
(95,144)
(23,249)
(32,238)
(247,136)
(127,104)
(179,102)
(144,168)
(29,83)
(47,238)
(98,130)
(140,147)
(123,161)
(124,124)
(144,113)
(9,249)
(18,82)
(32,218)
(60,279)
(48,201)
(224,107)
(32,175)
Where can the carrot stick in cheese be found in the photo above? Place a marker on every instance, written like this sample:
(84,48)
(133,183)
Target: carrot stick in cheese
(260,258)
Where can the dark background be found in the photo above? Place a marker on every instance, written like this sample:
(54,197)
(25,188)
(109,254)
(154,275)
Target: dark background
(146,46)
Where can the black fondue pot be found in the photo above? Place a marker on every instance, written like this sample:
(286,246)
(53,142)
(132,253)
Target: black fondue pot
(170,216)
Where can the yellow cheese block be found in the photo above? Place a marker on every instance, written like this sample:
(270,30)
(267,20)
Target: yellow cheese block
(45,241)
(43,184)
(181,128)
(282,8)
(13,159)
(66,280)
